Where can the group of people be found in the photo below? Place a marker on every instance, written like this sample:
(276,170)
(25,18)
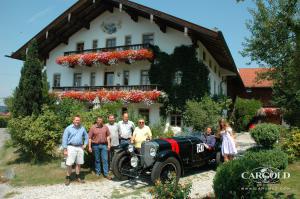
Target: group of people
(101,140)
(225,133)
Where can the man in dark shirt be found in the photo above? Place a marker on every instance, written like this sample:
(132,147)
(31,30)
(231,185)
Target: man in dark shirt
(209,139)
(99,142)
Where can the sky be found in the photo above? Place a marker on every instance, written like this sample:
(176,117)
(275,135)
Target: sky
(21,20)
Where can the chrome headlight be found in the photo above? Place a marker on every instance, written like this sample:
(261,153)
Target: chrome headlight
(134,161)
(130,148)
(152,151)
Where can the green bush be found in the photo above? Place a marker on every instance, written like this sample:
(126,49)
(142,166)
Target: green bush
(4,121)
(229,184)
(290,144)
(36,137)
(243,112)
(204,113)
(170,190)
(268,158)
(266,134)
(158,131)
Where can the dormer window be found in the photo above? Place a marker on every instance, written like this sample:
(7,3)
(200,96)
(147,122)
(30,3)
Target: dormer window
(177,78)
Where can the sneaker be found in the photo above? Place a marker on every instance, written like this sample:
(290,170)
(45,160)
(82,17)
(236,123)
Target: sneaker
(67,181)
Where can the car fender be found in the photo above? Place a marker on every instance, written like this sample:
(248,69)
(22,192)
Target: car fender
(163,155)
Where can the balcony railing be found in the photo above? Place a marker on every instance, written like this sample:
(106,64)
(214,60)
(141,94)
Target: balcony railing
(117,87)
(115,48)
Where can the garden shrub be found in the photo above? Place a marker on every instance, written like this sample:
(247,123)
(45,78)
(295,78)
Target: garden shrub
(229,184)
(266,134)
(170,190)
(243,112)
(4,121)
(204,113)
(291,144)
(36,137)
(268,158)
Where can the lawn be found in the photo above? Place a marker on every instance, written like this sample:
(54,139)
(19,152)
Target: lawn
(288,188)
(27,174)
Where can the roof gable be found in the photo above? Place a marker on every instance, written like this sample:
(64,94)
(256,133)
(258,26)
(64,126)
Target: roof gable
(83,12)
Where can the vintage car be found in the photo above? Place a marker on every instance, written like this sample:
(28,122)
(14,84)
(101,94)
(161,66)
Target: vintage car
(159,158)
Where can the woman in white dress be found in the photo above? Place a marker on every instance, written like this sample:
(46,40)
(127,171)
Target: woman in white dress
(228,145)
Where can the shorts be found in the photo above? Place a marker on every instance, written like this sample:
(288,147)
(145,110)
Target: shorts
(75,155)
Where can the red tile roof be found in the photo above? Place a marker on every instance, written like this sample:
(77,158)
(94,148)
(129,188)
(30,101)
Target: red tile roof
(249,78)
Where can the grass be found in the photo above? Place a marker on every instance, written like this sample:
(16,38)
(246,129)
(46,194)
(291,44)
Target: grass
(27,174)
(288,188)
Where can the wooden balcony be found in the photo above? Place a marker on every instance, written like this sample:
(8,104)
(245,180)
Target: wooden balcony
(108,49)
(117,87)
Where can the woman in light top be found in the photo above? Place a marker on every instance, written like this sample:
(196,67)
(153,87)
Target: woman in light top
(228,145)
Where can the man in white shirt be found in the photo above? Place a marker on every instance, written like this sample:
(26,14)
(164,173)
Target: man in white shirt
(114,134)
(126,128)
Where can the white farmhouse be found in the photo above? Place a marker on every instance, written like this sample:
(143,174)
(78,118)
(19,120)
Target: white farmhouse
(111,28)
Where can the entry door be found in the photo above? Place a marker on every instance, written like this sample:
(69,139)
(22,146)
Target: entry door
(109,79)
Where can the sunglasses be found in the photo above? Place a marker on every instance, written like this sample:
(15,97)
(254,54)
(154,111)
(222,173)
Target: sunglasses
(141,122)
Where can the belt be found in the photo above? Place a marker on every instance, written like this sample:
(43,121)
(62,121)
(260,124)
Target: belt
(124,138)
(74,145)
(99,143)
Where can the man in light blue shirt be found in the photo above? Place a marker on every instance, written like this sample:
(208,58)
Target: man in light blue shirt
(73,145)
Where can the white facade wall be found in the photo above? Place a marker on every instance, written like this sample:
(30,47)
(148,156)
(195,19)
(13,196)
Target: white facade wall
(166,41)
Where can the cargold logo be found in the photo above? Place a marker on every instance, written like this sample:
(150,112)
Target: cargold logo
(265,175)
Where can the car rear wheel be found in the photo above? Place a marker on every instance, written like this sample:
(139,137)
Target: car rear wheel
(120,161)
(163,171)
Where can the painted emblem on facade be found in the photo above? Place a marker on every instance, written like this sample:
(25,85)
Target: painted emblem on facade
(111,27)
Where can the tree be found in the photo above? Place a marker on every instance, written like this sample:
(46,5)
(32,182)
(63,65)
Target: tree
(28,97)
(275,43)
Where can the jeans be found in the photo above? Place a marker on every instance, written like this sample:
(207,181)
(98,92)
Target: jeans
(101,153)
(124,141)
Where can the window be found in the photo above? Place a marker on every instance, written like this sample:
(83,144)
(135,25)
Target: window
(111,42)
(93,79)
(176,120)
(148,38)
(215,88)
(145,77)
(125,77)
(219,74)
(80,46)
(209,63)
(127,40)
(215,69)
(77,79)
(177,78)
(109,78)
(144,113)
(56,80)
(95,44)
(204,55)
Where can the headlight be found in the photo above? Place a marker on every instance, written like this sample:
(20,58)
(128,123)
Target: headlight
(152,152)
(134,161)
(130,148)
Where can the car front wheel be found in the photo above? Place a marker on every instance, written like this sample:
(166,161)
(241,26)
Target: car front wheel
(163,171)
(120,161)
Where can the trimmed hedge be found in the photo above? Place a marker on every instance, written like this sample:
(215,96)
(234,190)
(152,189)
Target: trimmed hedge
(266,134)
(268,158)
(228,182)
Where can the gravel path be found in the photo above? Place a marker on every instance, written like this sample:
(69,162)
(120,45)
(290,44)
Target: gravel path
(201,179)
(3,137)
